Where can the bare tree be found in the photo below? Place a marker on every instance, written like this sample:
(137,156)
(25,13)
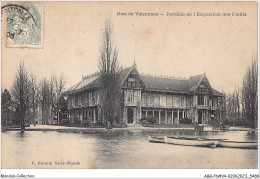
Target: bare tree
(59,87)
(238,102)
(34,95)
(250,94)
(52,96)
(109,68)
(223,106)
(233,102)
(108,62)
(21,93)
(45,101)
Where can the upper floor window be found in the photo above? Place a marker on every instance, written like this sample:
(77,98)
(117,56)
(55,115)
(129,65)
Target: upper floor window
(130,96)
(202,89)
(181,100)
(76,99)
(86,97)
(131,79)
(132,82)
(189,103)
(144,98)
(200,100)
(151,99)
(73,101)
(157,100)
(90,97)
(69,101)
(169,100)
(82,98)
(94,97)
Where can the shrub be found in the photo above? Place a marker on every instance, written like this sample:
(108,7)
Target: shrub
(185,121)
(85,122)
(77,122)
(143,119)
(119,125)
(151,120)
(237,122)
(214,121)
(65,122)
(148,122)
(145,123)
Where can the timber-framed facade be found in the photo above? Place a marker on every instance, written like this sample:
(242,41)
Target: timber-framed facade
(165,99)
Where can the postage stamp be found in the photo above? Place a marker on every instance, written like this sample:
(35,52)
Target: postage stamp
(24,22)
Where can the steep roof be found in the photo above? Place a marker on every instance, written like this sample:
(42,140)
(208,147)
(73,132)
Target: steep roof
(150,83)
(95,81)
(124,73)
(194,82)
(165,84)
(86,82)
(216,93)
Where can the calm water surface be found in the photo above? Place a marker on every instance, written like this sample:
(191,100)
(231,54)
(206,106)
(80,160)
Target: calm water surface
(121,149)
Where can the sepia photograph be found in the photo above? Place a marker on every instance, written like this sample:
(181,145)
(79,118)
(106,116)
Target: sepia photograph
(129,85)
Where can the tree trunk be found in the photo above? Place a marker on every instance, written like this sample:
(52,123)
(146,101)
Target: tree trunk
(34,116)
(58,115)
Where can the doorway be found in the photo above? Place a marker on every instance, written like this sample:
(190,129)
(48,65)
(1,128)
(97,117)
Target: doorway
(130,115)
(199,117)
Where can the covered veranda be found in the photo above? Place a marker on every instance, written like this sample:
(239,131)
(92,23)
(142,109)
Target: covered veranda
(165,115)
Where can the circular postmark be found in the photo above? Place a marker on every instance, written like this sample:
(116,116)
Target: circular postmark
(23,22)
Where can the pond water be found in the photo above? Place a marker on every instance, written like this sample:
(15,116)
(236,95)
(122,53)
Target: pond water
(119,149)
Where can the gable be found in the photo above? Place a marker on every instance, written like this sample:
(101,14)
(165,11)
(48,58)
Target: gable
(132,79)
(204,86)
(132,82)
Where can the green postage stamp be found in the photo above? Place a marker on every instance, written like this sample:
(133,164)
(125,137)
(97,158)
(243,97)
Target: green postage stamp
(24,22)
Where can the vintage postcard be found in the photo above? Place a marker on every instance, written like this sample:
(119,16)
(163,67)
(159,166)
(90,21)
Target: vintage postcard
(129,85)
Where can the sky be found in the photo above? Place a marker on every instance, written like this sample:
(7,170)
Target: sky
(179,46)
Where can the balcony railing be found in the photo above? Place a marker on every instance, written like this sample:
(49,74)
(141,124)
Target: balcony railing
(213,108)
(130,103)
(163,106)
(202,107)
(86,104)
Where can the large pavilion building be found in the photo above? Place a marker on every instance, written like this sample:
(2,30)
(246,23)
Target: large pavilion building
(166,99)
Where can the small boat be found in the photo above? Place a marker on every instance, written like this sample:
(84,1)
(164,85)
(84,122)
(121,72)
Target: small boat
(214,139)
(155,139)
(237,144)
(190,141)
